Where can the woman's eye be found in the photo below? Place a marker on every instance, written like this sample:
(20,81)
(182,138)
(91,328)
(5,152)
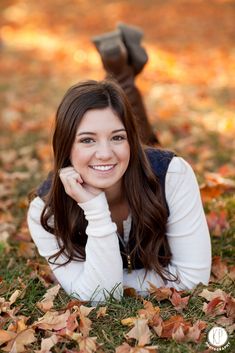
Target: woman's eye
(87,140)
(119,138)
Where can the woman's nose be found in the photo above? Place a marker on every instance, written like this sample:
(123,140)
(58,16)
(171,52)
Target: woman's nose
(104,151)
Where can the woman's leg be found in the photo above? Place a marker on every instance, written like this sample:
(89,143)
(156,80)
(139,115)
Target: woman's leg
(123,58)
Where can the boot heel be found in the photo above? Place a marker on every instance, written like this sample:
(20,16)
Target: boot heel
(132,36)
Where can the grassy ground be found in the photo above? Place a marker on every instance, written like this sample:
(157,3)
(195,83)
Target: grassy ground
(188,86)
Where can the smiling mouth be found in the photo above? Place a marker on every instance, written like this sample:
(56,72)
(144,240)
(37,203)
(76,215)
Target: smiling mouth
(103,168)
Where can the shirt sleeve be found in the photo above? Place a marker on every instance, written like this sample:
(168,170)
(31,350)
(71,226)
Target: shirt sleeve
(187,234)
(101,274)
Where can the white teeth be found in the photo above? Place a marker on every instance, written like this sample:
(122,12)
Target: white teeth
(102,167)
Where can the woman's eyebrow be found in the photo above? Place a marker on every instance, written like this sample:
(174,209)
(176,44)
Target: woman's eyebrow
(93,133)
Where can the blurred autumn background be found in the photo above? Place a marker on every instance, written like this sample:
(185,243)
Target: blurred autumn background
(188,87)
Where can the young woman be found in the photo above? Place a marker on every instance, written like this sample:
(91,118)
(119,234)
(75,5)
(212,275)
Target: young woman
(115,213)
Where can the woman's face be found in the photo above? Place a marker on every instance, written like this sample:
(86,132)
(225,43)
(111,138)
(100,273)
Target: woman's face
(101,152)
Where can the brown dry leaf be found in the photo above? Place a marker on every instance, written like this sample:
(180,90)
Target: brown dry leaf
(219,268)
(226,322)
(126,348)
(101,312)
(178,302)
(130,292)
(47,302)
(218,293)
(215,307)
(217,221)
(215,185)
(140,332)
(159,293)
(130,321)
(43,272)
(87,344)
(6,336)
(230,307)
(52,320)
(14,296)
(18,343)
(18,324)
(157,325)
(178,333)
(85,322)
(5,305)
(73,302)
(169,326)
(26,249)
(150,312)
(48,343)
(194,332)
(72,322)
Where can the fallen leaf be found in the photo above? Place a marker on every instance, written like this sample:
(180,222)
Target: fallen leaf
(14,296)
(18,343)
(194,332)
(87,344)
(178,333)
(178,302)
(6,336)
(140,332)
(85,323)
(47,344)
(101,312)
(215,307)
(26,249)
(230,307)
(130,321)
(218,293)
(219,268)
(47,302)
(159,293)
(52,320)
(169,326)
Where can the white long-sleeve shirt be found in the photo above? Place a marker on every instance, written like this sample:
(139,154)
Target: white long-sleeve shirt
(102,272)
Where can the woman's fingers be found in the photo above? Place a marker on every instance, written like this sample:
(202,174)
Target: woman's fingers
(75,187)
(70,172)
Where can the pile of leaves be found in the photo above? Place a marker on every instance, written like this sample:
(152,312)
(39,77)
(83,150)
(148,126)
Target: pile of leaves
(71,326)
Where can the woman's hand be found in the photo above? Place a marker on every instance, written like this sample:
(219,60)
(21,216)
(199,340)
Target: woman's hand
(75,187)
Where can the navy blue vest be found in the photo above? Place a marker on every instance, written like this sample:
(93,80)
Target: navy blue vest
(159,161)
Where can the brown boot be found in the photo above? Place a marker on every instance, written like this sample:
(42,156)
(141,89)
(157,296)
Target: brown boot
(115,61)
(137,56)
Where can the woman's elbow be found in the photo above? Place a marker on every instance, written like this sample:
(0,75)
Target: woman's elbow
(190,280)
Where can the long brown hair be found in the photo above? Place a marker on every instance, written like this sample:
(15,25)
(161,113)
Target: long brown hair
(141,186)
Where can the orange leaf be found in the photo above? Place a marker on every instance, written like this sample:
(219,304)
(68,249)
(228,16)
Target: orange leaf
(215,307)
(169,326)
(6,336)
(159,293)
(178,302)
(26,249)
